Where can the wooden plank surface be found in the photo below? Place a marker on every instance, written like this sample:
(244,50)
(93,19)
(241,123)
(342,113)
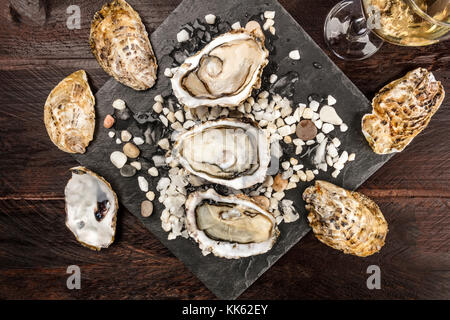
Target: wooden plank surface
(35,247)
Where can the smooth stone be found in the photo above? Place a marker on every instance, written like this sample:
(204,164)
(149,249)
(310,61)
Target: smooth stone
(127,171)
(306,130)
(146,208)
(118,159)
(131,150)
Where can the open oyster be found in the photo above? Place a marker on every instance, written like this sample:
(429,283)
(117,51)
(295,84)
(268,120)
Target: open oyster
(231,152)
(91,208)
(230,227)
(225,72)
(121,46)
(345,220)
(401,110)
(69,114)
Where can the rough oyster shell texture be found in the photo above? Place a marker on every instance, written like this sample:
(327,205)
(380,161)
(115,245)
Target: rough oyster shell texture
(345,220)
(230,227)
(91,209)
(69,114)
(401,110)
(225,72)
(121,45)
(231,152)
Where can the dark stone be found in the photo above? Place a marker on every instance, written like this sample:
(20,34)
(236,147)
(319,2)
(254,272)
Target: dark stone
(127,171)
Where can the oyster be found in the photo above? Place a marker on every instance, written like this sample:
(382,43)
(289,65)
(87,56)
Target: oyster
(69,114)
(225,72)
(121,46)
(345,220)
(230,227)
(231,152)
(401,110)
(91,208)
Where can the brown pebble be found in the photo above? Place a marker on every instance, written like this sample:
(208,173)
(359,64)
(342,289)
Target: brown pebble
(263,201)
(108,122)
(131,150)
(146,208)
(279,184)
(306,130)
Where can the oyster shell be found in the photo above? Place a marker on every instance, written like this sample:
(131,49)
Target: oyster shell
(230,227)
(91,209)
(223,73)
(69,114)
(345,220)
(121,46)
(401,110)
(231,152)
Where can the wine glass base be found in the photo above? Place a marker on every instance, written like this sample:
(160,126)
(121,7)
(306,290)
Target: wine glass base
(346,33)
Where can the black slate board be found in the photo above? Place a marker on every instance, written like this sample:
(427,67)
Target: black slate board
(227,279)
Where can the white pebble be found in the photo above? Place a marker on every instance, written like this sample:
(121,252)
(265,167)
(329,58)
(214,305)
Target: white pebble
(210,19)
(314,105)
(329,114)
(118,159)
(138,141)
(307,113)
(298,142)
(143,184)
(164,120)
(150,195)
(182,36)
(298,150)
(332,151)
(269,14)
(278,195)
(168,73)
(285,165)
(158,98)
(188,124)
(318,123)
(298,167)
(343,158)
(111,134)
(165,111)
(164,144)
(136,164)
(119,104)
(352,157)
(273,78)
(320,137)
(309,175)
(284,131)
(125,136)
(315,171)
(289,120)
(158,107)
(338,166)
(323,167)
(335,173)
(310,142)
(336,142)
(327,128)
(153,172)
(236,25)
(329,160)
(331,100)
(118,141)
(293,161)
(294,55)
(302,175)
(343,127)
(269,23)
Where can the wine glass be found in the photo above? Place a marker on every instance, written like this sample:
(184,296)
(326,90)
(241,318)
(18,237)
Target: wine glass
(355,29)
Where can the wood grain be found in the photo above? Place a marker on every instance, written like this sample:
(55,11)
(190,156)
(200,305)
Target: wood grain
(36,248)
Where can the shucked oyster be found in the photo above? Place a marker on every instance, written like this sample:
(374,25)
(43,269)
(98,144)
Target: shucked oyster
(401,110)
(345,220)
(121,46)
(230,152)
(69,114)
(229,227)
(225,72)
(91,208)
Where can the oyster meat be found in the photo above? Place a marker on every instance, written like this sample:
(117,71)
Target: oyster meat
(401,110)
(231,152)
(230,227)
(69,114)
(345,220)
(121,45)
(223,73)
(91,209)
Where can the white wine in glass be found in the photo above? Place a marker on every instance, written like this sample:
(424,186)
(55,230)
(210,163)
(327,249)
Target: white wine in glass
(355,29)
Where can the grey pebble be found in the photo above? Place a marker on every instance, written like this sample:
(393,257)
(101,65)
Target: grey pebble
(128,171)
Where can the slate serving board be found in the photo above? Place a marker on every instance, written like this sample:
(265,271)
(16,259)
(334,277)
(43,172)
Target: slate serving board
(227,279)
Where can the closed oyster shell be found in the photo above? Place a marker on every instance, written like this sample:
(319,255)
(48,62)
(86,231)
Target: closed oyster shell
(91,209)
(345,220)
(231,152)
(69,114)
(121,46)
(230,227)
(401,110)
(225,72)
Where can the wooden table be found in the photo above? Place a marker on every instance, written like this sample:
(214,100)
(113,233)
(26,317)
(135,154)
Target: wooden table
(36,248)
